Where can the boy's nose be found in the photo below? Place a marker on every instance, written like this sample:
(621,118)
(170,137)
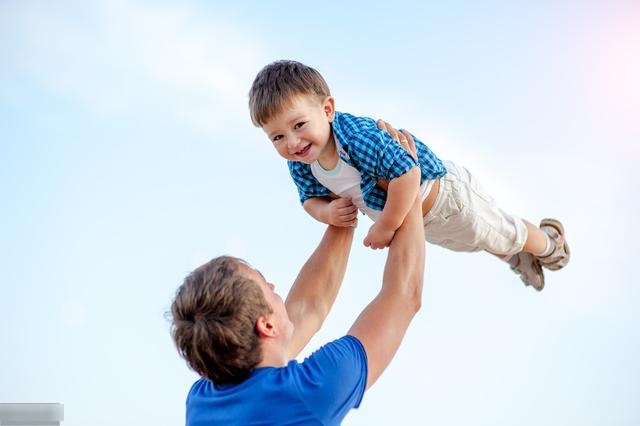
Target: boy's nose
(293,143)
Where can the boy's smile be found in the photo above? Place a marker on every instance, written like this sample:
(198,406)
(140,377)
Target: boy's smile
(304,151)
(301,131)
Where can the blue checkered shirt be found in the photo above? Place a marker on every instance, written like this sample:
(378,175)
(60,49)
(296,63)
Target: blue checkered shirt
(374,154)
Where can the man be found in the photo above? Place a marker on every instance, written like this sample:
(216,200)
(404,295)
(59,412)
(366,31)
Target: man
(239,335)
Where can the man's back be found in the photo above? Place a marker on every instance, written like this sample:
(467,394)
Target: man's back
(319,391)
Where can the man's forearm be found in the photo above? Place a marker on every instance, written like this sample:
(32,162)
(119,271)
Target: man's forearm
(401,195)
(316,287)
(383,323)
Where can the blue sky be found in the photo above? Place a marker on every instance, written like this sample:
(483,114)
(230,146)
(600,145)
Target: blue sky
(127,158)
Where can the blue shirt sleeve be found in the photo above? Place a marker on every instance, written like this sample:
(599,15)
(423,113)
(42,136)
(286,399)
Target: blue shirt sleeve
(333,379)
(379,155)
(308,186)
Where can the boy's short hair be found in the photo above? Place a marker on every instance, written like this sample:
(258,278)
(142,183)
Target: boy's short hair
(277,83)
(214,318)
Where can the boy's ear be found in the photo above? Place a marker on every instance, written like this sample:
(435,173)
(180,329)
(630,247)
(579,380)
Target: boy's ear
(329,107)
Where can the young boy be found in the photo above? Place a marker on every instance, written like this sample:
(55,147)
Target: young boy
(341,163)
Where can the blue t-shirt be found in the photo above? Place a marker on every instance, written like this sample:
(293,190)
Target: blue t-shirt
(319,391)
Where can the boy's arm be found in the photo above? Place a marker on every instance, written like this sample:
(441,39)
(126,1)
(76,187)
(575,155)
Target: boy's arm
(339,212)
(315,198)
(379,155)
(314,291)
(398,205)
(401,194)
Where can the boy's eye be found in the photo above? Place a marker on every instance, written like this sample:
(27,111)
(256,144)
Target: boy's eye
(277,138)
(299,125)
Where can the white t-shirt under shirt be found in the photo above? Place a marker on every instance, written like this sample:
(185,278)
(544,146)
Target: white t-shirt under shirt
(344,181)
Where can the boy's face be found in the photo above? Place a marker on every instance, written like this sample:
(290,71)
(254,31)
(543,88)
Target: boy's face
(301,131)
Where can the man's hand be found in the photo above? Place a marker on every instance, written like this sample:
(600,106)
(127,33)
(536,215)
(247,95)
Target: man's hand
(342,212)
(379,236)
(403,137)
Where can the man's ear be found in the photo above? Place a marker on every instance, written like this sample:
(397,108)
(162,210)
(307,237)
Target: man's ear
(329,107)
(265,327)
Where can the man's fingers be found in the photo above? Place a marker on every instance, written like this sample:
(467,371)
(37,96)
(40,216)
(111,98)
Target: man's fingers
(408,143)
(383,125)
(407,136)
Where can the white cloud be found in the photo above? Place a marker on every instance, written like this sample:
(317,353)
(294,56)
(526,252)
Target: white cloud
(127,58)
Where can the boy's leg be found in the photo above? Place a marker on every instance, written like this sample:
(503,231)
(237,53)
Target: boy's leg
(547,244)
(537,241)
(465,218)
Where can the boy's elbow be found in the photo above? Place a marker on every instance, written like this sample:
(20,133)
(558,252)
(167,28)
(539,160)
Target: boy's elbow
(307,205)
(314,208)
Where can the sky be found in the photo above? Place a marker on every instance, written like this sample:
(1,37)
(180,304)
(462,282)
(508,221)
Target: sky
(127,159)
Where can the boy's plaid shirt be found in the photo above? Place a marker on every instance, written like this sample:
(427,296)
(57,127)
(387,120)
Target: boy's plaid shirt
(373,153)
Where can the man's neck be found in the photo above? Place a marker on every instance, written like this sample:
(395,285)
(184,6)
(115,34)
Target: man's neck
(273,355)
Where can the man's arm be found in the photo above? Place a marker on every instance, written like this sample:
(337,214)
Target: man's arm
(314,291)
(383,323)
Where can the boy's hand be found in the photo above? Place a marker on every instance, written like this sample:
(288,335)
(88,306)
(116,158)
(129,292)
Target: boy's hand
(342,212)
(379,236)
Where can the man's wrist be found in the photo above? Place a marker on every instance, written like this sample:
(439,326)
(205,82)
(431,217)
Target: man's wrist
(387,223)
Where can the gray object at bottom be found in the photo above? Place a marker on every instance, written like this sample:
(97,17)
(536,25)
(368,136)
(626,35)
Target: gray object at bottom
(27,414)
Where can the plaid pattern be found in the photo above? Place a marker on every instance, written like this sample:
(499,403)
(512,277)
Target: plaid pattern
(374,153)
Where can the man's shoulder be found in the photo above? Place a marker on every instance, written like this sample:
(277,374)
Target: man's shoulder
(336,373)
(198,386)
(345,347)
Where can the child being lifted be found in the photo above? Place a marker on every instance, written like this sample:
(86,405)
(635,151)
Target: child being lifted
(342,163)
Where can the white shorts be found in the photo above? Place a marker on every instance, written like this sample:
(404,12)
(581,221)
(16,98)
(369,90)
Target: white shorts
(465,218)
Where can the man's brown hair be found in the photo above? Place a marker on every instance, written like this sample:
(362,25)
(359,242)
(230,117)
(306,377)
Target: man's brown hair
(277,83)
(214,318)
